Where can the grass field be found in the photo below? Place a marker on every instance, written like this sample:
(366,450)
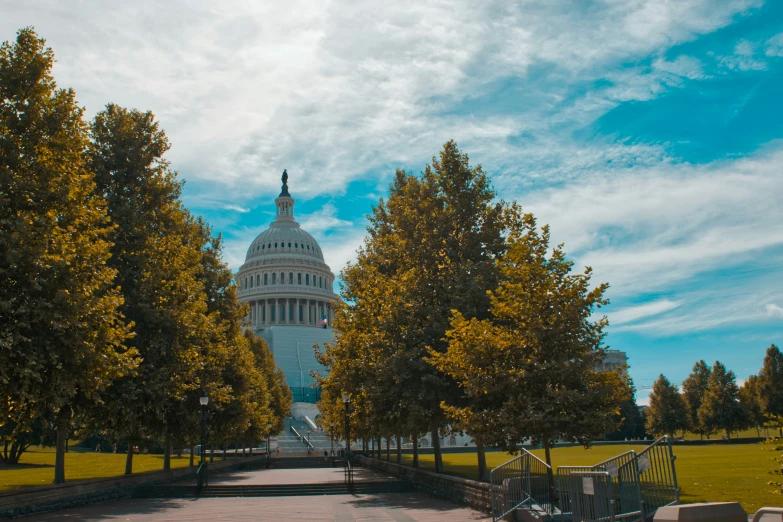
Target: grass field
(36,467)
(715,472)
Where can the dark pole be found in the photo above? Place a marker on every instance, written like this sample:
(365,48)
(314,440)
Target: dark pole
(347,431)
(203,431)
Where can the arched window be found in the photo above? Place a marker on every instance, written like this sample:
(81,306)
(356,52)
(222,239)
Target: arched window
(275,245)
(251,281)
(289,244)
(262,247)
(266,279)
(308,247)
(274,278)
(290,278)
(282,278)
(299,278)
(320,282)
(296,245)
(270,245)
(307,279)
(258,279)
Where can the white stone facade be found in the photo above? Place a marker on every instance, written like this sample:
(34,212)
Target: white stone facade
(289,289)
(614,359)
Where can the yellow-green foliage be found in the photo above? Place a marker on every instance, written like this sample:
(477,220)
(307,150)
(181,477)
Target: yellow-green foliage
(710,473)
(36,466)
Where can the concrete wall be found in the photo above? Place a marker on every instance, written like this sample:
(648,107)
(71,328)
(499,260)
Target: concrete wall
(42,499)
(461,491)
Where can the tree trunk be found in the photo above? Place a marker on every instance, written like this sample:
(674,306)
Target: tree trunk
(192,451)
(482,461)
(379,449)
(388,450)
(399,449)
(63,421)
(415,452)
(179,451)
(549,476)
(436,449)
(224,450)
(211,454)
(167,451)
(129,459)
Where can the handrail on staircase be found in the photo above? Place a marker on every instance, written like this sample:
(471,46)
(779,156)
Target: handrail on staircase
(310,447)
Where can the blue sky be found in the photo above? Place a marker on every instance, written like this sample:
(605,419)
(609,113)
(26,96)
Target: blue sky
(647,134)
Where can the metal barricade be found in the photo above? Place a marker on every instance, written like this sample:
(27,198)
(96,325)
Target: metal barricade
(640,483)
(657,476)
(522,480)
(592,497)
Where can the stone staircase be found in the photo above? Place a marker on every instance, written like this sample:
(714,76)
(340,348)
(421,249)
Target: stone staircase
(292,445)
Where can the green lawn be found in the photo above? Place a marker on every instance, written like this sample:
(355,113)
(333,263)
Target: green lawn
(715,473)
(36,467)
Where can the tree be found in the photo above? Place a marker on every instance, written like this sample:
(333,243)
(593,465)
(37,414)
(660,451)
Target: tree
(157,255)
(721,408)
(771,385)
(529,371)
(630,419)
(694,387)
(750,402)
(430,249)
(666,413)
(61,330)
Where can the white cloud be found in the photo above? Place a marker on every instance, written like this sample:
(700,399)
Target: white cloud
(775,45)
(774,310)
(632,313)
(333,90)
(743,58)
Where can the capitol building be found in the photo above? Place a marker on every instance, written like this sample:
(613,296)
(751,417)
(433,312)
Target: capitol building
(289,289)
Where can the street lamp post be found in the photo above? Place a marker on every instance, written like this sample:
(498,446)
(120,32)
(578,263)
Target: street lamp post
(331,436)
(347,401)
(268,434)
(203,400)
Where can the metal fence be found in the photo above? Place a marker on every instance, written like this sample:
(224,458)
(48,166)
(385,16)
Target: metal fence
(627,487)
(640,483)
(657,476)
(591,496)
(522,480)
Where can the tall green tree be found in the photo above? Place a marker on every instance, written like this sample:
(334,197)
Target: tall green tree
(157,255)
(61,330)
(694,387)
(750,402)
(630,419)
(720,408)
(432,245)
(771,385)
(530,370)
(667,413)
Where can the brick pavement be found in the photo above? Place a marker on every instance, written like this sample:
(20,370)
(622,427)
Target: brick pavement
(396,507)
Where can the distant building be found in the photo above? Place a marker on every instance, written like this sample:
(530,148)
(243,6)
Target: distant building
(614,359)
(289,289)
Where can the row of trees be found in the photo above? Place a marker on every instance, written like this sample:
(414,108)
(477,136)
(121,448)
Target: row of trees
(459,315)
(116,309)
(710,400)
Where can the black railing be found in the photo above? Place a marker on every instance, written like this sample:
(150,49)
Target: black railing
(348,473)
(201,477)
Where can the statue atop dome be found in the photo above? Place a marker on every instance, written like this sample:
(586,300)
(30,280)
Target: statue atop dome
(285,184)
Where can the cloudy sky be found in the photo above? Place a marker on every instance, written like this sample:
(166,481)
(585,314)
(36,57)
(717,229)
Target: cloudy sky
(647,133)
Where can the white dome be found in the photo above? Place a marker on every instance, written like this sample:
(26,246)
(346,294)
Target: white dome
(284,278)
(286,238)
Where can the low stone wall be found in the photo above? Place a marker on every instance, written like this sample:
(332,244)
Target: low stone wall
(42,499)
(458,490)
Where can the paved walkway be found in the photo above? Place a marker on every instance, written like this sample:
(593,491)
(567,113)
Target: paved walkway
(294,476)
(396,507)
